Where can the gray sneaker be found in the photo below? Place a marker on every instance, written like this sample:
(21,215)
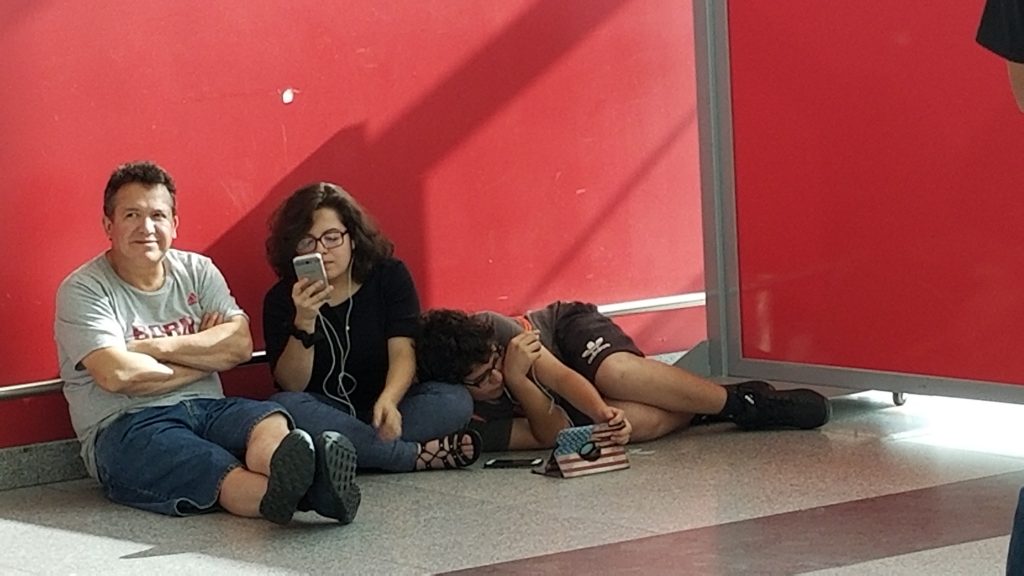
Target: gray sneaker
(291,473)
(334,493)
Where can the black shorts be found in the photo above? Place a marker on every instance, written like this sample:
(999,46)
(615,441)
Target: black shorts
(584,337)
(1002,29)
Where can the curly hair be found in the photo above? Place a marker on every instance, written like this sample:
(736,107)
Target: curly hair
(293,219)
(450,343)
(141,172)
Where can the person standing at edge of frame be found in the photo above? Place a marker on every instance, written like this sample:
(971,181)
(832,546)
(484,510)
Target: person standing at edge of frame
(1002,31)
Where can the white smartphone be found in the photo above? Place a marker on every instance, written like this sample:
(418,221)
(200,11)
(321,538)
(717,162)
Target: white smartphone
(310,266)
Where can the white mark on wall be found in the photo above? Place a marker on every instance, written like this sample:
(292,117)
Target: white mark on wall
(239,195)
(288,95)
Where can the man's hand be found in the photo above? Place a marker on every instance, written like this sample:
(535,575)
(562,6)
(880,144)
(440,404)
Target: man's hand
(308,296)
(211,319)
(523,350)
(387,419)
(144,368)
(614,417)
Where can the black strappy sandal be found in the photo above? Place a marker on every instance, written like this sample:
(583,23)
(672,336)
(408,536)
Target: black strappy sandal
(449,453)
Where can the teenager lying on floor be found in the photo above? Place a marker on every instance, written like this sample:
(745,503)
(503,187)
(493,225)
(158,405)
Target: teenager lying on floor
(568,365)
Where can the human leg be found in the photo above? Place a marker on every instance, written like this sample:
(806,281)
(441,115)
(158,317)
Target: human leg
(597,348)
(702,419)
(457,450)
(626,376)
(300,477)
(274,495)
(1015,556)
(1016,70)
(434,409)
(154,459)
(751,405)
(241,492)
(650,422)
(317,416)
(591,344)
(280,461)
(264,439)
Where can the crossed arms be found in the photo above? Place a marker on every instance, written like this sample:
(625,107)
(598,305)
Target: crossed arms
(159,365)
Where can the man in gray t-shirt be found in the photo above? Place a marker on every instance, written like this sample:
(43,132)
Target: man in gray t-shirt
(142,331)
(97,310)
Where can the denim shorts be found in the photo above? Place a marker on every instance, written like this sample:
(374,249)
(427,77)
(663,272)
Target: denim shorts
(172,459)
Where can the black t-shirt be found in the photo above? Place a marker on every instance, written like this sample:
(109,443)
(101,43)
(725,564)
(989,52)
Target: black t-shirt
(385,306)
(1002,28)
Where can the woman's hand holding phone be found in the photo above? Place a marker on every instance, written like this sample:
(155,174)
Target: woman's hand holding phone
(310,291)
(308,296)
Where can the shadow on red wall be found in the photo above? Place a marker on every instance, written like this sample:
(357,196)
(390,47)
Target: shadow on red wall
(385,174)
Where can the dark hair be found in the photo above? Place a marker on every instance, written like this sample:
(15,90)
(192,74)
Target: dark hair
(292,220)
(450,343)
(141,172)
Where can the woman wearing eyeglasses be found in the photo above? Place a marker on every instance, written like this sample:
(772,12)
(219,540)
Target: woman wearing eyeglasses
(342,353)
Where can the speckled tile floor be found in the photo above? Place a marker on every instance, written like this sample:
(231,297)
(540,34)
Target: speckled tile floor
(925,488)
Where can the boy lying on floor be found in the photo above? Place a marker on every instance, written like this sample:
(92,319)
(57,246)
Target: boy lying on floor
(568,365)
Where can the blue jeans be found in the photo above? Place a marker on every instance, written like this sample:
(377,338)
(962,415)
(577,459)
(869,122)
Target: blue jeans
(429,410)
(1015,557)
(172,459)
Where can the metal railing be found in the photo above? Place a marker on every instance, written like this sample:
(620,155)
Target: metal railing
(659,304)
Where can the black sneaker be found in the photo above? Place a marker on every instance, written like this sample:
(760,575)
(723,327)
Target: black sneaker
(334,493)
(704,419)
(291,473)
(770,408)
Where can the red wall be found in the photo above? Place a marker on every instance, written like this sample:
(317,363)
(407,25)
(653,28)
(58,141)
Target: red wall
(878,180)
(516,152)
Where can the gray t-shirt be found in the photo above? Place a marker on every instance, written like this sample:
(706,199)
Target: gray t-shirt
(96,309)
(508,327)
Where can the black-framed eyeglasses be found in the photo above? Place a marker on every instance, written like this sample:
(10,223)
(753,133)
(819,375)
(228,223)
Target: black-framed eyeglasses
(330,239)
(479,380)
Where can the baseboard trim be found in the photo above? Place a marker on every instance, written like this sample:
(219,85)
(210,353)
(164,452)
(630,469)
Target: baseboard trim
(42,463)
